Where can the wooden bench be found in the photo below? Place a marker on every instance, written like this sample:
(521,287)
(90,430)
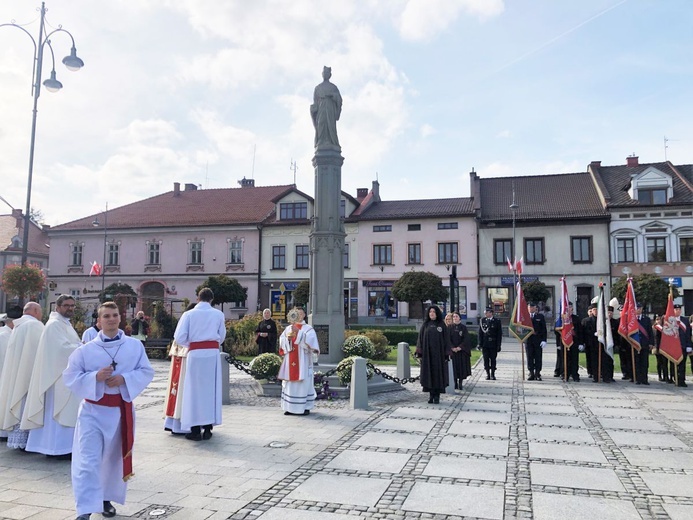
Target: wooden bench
(158,345)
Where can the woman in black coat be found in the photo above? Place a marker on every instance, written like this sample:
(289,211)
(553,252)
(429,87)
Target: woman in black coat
(433,348)
(461,350)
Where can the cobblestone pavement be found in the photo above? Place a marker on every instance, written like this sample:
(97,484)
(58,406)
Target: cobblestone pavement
(498,449)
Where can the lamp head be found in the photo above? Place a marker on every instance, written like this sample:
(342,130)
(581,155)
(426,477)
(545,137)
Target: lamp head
(52,84)
(72,62)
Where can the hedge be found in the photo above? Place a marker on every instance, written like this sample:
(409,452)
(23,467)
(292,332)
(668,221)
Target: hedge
(395,336)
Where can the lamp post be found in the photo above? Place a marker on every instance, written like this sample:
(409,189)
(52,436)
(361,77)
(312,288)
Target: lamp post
(73,63)
(96,223)
(513,208)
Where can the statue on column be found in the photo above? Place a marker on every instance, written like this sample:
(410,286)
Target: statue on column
(325,111)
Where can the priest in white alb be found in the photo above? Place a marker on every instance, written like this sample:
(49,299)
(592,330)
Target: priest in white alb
(107,373)
(16,373)
(297,344)
(7,321)
(50,411)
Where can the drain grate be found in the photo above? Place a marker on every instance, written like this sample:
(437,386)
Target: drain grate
(157,511)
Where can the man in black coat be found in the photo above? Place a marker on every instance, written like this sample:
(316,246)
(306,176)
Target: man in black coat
(684,327)
(535,343)
(589,330)
(573,354)
(608,361)
(642,358)
(490,337)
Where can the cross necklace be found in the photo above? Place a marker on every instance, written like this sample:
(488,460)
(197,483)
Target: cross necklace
(113,361)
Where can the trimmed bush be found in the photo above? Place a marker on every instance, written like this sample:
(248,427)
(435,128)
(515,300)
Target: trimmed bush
(240,335)
(344,370)
(265,366)
(395,336)
(358,345)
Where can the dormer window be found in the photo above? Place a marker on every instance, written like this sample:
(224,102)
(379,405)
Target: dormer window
(293,210)
(651,187)
(652,196)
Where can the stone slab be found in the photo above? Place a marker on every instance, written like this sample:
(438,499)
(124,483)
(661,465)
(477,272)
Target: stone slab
(340,489)
(546,433)
(686,426)
(575,477)
(662,440)
(604,411)
(472,428)
(616,403)
(370,461)
(538,450)
(677,415)
(675,405)
(659,458)
(407,425)
(550,506)
(484,416)
(456,467)
(403,441)
(679,512)
(534,399)
(550,409)
(554,420)
(488,406)
(633,424)
(282,513)
(469,445)
(417,413)
(447,499)
(669,485)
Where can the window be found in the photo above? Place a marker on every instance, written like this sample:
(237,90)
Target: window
(195,252)
(534,250)
(652,196)
(346,256)
(447,225)
(686,249)
(502,251)
(235,251)
(278,257)
(625,250)
(153,256)
(657,249)
(581,250)
(342,208)
(414,253)
(382,254)
(113,254)
(414,227)
(293,210)
(77,254)
(381,229)
(302,257)
(447,253)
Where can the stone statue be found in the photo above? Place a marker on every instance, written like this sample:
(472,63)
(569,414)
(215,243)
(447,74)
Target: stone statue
(325,111)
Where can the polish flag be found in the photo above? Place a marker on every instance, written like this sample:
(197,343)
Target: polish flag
(95,269)
(510,265)
(519,264)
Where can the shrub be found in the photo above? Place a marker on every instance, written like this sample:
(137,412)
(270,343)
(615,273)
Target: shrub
(265,366)
(344,370)
(380,342)
(395,336)
(240,335)
(358,345)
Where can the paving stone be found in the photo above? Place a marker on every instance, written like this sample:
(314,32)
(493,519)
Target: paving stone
(679,512)
(631,413)
(355,491)
(633,424)
(615,402)
(469,445)
(283,513)
(554,420)
(566,452)
(548,400)
(548,433)
(472,428)
(447,499)
(370,461)
(405,441)
(550,506)
(408,425)
(659,458)
(472,415)
(687,426)
(550,409)
(575,477)
(418,413)
(655,440)
(669,485)
(456,467)
(487,406)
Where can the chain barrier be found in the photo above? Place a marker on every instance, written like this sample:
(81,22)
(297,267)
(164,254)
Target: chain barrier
(395,379)
(240,365)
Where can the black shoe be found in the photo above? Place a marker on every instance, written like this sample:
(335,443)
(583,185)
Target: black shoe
(531,377)
(108,510)
(682,384)
(538,377)
(207,434)
(638,383)
(436,400)
(66,456)
(430,400)
(306,412)
(488,378)
(625,378)
(194,436)
(84,517)
(556,374)
(670,381)
(646,383)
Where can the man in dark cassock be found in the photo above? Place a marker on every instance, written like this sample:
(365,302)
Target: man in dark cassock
(589,331)
(573,354)
(642,358)
(461,350)
(433,348)
(535,343)
(490,337)
(266,334)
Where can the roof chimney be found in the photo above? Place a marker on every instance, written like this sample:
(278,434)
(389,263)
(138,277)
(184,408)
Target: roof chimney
(598,164)
(190,187)
(361,193)
(176,189)
(247,183)
(376,191)
(632,160)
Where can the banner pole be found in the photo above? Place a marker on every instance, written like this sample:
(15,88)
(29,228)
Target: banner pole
(522,352)
(599,361)
(632,357)
(565,362)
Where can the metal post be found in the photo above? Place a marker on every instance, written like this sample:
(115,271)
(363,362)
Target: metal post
(105,238)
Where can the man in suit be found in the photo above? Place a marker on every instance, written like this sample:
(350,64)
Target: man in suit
(535,343)
(642,358)
(684,326)
(589,329)
(490,338)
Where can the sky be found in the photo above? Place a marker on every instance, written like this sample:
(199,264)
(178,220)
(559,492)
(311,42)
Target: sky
(210,91)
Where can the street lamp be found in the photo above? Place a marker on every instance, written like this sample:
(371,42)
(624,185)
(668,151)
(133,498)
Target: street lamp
(96,223)
(73,63)
(513,208)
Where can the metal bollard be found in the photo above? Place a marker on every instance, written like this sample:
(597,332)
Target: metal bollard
(358,399)
(403,360)
(450,389)
(225,384)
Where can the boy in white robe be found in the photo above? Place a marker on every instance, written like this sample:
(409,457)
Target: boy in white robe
(297,344)
(50,411)
(108,373)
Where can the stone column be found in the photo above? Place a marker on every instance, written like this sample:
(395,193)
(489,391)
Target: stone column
(326,313)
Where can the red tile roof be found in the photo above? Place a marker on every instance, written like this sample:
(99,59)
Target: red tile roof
(228,206)
(417,209)
(38,239)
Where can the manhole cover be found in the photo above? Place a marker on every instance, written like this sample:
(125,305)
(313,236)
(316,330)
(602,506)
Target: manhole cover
(157,512)
(278,444)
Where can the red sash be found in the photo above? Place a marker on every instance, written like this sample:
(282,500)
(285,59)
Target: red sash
(200,345)
(294,358)
(127,430)
(177,362)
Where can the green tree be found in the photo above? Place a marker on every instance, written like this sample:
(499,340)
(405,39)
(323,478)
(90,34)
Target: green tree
(649,289)
(23,281)
(302,293)
(112,291)
(419,286)
(536,291)
(225,289)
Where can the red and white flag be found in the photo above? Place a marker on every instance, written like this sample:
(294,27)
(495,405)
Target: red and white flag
(510,265)
(629,328)
(670,344)
(95,269)
(521,323)
(519,264)
(564,323)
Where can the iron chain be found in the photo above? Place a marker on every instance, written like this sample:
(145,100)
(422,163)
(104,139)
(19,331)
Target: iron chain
(395,379)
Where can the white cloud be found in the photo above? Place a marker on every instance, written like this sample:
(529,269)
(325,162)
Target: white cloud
(503,134)
(426,130)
